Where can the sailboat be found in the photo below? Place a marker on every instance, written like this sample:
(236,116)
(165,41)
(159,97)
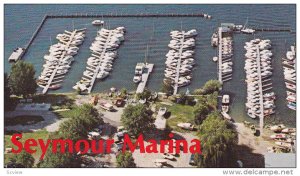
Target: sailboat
(247,30)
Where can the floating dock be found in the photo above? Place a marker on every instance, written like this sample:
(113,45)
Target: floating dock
(16,54)
(223,77)
(98,66)
(178,66)
(145,76)
(116,15)
(52,77)
(260,88)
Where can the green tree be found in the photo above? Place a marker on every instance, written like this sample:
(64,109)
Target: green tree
(137,119)
(211,86)
(25,159)
(218,141)
(144,95)
(21,79)
(123,92)
(167,87)
(80,123)
(6,88)
(7,93)
(59,160)
(200,113)
(212,100)
(125,160)
(198,91)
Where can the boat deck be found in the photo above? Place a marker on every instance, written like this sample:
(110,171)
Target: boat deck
(145,77)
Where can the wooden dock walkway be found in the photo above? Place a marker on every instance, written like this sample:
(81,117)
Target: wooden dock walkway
(220,56)
(55,70)
(96,71)
(116,15)
(178,66)
(260,88)
(145,76)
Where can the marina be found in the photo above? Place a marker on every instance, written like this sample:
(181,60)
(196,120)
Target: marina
(98,83)
(60,58)
(103,54)
(126,65)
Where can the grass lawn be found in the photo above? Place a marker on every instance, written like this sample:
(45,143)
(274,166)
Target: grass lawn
(22,120)
(179,113)
(58,101)
(68,113)
(42,134)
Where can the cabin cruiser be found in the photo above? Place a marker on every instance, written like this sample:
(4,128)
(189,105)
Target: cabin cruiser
(225,103)
(98,22)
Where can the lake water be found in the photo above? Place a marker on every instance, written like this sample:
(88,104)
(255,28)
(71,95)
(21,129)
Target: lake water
(22,20)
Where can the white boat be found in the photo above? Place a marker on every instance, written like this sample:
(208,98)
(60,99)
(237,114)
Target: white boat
(102,74)
(225,103)
(98,22)
(186,126)
(247,30)
(137,79)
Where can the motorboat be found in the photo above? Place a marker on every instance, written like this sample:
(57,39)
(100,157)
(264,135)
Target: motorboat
(277,128)
(278,136)
(225,103)
(137,78)
(102,74)
(55,86)
(98,22)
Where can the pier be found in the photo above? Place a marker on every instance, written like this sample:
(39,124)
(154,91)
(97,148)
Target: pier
(145,76)
(50,81)
(260,88)
(224,76)
(98,66)
(178,66)
(220,56)
(116,15)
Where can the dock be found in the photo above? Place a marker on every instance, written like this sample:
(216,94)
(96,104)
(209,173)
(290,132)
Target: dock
(16,54)
(220,56)
(50,81)
(123,15)
(178,66)
(260,88)
(223,77)
(98,66)
(145,76)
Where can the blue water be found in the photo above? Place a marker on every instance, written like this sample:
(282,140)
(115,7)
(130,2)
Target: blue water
(21,21)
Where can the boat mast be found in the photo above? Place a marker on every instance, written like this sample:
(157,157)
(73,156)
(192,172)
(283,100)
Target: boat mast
(245,24)
(50,41)
(73,25)
(146,54)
